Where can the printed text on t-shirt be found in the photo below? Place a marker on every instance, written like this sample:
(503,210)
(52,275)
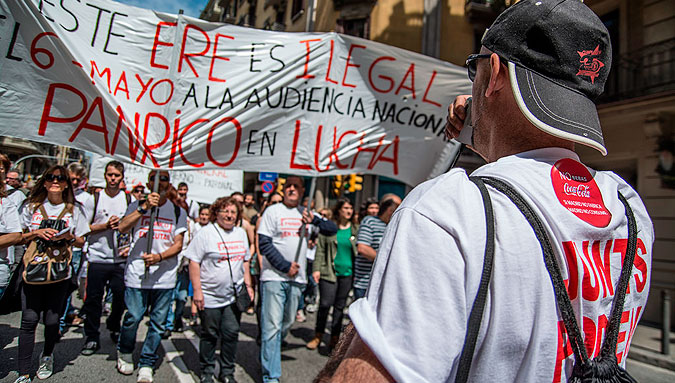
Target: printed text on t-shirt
(290,227)
(235,250)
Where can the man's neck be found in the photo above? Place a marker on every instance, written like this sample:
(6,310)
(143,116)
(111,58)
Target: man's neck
(112,191)
(291,205)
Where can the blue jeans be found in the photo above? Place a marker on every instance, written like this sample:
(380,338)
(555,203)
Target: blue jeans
(359,293)
(180,294)
(279,306)
(138,301)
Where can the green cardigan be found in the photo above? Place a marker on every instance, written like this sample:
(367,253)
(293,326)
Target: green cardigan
(326,250)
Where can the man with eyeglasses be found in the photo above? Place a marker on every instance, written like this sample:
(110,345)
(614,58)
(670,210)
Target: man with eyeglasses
(150,277)
(106,260)
(138,191)
(541,64)
(13,179)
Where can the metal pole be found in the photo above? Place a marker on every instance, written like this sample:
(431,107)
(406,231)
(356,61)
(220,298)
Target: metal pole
(312,187)
(665,330)
(151,228)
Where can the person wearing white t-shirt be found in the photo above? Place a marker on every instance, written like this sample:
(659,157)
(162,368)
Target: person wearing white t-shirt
(219,263)
(78,178)
(52,196)
(10,227)
(106,257)
(283,278)
(149,277)
(192,206)
(530,105)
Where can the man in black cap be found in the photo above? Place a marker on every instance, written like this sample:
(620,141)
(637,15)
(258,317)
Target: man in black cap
(541,64)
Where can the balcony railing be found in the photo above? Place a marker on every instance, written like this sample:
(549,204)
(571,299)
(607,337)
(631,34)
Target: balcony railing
(647,71)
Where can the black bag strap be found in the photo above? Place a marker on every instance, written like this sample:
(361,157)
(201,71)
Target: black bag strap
(562,299)
(97,196)
(478,307)
(227,252)
(609,346)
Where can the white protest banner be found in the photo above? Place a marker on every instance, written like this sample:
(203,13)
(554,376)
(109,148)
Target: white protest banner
(180,93)
(203,185)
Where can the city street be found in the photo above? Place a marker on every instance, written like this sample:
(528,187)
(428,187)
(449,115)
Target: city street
(180,361)
(178,355)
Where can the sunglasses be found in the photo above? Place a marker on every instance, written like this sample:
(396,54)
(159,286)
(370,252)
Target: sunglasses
(161,179)
(471,64)
(57,178)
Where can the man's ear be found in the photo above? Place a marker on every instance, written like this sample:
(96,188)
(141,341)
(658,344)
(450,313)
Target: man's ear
(499,76)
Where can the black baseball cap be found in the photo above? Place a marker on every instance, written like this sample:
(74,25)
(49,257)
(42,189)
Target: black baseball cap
(559,55)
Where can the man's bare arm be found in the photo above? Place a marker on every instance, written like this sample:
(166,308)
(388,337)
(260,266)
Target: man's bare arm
(353,361)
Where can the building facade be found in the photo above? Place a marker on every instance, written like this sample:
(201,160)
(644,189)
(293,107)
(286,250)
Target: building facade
(637,111)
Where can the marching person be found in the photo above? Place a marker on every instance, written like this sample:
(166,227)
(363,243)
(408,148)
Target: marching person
(150,277)
(219,265)
(50,205)
(78,177)
(283,278)
(368,242)
(10,227)
(541,64)
(192,206)
(107,250)
(333,270)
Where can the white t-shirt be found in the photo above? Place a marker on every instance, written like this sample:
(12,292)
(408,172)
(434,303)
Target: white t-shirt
(212,252)
(9,223)
(193,208)
(282,224)
(416,326)
(161,275)
(31,217)
(87,204)
(16,197)
(103,244)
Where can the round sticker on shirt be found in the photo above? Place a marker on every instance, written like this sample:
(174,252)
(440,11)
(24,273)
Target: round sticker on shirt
(577,192)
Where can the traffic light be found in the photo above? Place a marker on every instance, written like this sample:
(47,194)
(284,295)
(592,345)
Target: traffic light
(338,184)
(355,183)
(280,185)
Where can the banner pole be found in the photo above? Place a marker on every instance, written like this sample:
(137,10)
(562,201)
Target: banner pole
(151,229)
(312,187)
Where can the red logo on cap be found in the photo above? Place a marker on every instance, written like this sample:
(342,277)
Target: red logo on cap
(590,65)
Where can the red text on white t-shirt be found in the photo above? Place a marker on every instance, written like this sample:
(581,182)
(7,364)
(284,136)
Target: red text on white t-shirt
(594,257)
(594,333)
(234,250)
(290,227)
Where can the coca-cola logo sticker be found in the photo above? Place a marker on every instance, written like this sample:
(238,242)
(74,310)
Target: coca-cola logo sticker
(577,192)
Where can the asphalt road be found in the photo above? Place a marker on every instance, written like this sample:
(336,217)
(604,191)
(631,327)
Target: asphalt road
(180,360)
(178,355)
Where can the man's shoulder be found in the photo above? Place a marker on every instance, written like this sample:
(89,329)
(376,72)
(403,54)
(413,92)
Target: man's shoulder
(438,195)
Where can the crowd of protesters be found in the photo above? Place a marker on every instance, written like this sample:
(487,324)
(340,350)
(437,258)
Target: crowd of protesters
(209,263)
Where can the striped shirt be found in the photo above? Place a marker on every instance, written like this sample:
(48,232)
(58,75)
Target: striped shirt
(370,233)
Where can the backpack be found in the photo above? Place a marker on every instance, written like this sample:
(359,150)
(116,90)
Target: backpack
(48,262)
(603,368)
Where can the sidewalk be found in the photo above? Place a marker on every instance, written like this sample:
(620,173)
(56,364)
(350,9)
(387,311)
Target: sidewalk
(646,347)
